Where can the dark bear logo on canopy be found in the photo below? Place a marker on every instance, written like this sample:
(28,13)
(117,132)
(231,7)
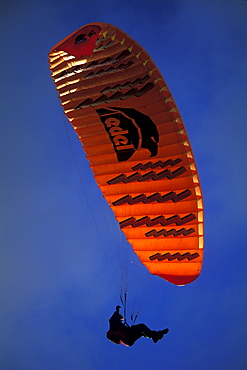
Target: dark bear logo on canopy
(129,129)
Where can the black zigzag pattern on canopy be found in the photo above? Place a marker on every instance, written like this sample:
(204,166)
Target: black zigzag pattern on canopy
(171,257)
(156,197)
(127,84)
(152,165)
(160,220)
(114,97)
(152,175)
(172,232)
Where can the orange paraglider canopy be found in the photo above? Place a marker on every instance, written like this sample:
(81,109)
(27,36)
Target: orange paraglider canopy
(132,132)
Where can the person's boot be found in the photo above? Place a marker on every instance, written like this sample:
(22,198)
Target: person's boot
(157,335)
(165,331)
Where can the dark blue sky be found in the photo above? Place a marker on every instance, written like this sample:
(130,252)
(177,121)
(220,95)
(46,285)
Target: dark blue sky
(57,290)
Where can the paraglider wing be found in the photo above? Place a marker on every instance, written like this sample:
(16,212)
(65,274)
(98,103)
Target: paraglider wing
(131,130)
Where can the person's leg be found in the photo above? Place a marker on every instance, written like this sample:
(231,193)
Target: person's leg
(143,330)
(135,332)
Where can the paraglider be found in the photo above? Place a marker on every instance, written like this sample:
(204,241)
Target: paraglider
(135,140)
(120,332)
